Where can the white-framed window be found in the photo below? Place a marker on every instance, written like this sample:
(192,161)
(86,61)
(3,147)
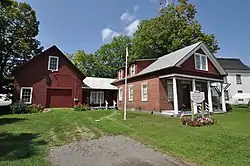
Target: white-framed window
(170,90)
(96,97)
(53,63)
(132,70)
(130,93)
(144,91)
(240,91)
(201,62)
(238,79)
(120,74)
(26,95)
(120,94)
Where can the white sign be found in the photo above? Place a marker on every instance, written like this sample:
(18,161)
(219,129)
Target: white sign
(197,97)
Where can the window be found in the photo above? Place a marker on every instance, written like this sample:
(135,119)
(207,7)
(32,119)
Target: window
(53,63)
(240,99)
(226,95)
(120,94)
(130,93)
(170,90)
(240,91)
(120,73)
(144,92)
(201,62)
(26,95)
(96,97)
(238,79)
(132,70)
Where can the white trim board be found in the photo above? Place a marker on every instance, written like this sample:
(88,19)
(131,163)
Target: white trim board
(31,93)
(192,77)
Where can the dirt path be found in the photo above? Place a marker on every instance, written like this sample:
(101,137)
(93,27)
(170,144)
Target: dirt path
(110,151)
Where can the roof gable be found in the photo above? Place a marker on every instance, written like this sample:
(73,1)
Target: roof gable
(51,50)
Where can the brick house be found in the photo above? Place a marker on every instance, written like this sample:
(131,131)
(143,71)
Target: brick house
(49,79)
(164,84)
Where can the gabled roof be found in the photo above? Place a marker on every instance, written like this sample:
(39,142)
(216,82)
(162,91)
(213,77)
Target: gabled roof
(80,74)
(99,83)
(169,60)
(232,64)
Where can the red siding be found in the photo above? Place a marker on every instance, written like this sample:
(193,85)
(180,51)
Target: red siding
(56,96)
(143,64)
(35,74)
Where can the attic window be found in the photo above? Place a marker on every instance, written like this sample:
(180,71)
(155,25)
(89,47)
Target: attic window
(53,63)
(120,74)
(132,70)
(201,62)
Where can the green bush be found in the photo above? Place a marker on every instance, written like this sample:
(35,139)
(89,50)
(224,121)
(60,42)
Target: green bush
(242,106)
(81,107)
(35,108)
(19,108)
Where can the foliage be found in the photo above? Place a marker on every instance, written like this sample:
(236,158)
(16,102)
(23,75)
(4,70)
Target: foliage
(105,61)
(18,29)
(35,108)
(81,107)
(197,122)
(175,28)
(19,108)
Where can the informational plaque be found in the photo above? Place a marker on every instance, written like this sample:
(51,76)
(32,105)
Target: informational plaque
(197,97)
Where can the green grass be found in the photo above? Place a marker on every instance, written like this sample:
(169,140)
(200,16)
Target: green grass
(27,139)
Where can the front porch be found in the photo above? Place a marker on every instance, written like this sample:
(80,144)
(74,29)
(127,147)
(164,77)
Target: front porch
(178,88)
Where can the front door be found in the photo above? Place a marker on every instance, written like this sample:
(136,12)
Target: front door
(186,88)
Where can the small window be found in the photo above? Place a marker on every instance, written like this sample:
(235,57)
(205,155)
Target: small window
(130,93)
(240,91)
(132,70)
(53,63)
(144,92)
(26,95)
(226,95)
(96,97)
(170,90)
(120,94)
(120,74)
(238,79)
(240,99)
(201,62)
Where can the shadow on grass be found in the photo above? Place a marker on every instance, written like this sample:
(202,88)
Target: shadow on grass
(19,146)
(4,121)
(5,110)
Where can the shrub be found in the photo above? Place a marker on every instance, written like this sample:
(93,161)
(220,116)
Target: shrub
(19,108)
(35,108)
(197,122)
(81,107)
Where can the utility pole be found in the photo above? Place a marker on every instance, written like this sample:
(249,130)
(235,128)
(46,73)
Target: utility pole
(125,89)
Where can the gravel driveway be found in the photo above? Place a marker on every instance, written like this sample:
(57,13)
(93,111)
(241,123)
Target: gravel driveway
(109,151)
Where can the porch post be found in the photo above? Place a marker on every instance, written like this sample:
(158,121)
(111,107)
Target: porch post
(210,102)
(175,95)
(223,98)
(194,89)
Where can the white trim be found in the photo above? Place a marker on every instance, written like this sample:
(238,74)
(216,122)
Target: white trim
(210,56)
(132,67)
(120,94)
(98,102)
(223,102)
(200,55)
(175,95)
(191,77)
(31,92)
(144,99)
(209,93)
(57,65)
(129,93)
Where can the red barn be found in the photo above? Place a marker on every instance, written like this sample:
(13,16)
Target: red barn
(49,79)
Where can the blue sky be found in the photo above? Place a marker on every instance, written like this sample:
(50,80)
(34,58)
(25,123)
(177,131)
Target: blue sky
(82,24)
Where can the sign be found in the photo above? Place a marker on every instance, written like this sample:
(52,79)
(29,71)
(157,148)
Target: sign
(197,97)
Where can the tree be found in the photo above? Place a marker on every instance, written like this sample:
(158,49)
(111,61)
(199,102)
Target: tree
(173,29)
(18,29)
(105,61)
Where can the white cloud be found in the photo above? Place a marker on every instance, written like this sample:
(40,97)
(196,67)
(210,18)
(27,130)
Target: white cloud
(108,34)
(131,28)
(127,17)
(136,8)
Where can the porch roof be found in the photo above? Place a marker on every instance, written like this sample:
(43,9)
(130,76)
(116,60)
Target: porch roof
(99,83)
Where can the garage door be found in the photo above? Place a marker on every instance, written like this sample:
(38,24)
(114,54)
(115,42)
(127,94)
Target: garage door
(59,98)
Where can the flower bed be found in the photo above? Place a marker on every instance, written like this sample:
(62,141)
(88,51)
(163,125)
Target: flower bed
(197,122)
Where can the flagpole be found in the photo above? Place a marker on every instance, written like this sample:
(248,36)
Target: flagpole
(125,89)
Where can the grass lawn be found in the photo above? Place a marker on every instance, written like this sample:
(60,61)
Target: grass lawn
(27,139)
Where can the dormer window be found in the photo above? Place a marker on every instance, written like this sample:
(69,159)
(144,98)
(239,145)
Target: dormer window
(53,63)
(120,73)
(132,70)
(201,62)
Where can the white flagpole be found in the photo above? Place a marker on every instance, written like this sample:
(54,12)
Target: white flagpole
(125,89)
